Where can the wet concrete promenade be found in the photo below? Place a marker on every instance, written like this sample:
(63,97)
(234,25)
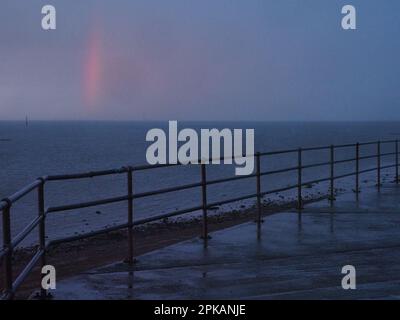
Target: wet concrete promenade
(294,258)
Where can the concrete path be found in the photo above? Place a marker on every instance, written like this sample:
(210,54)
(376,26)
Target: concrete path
(294,259)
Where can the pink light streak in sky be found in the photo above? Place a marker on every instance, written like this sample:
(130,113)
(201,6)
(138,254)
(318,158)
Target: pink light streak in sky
(93,69)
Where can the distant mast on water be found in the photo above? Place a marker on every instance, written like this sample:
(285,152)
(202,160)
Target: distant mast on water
(26,121)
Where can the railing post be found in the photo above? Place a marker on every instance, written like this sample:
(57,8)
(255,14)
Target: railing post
(397,161)
(357,169)
(332,174)
(299,180)
(379,164)
(42,233)
(130,259)
(204,203)
(8,278)
(259,204)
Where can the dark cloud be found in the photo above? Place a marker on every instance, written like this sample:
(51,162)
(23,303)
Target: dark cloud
(191,59)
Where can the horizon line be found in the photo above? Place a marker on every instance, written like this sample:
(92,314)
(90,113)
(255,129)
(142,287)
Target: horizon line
(188,120)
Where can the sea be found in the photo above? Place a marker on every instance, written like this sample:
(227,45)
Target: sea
(63,147)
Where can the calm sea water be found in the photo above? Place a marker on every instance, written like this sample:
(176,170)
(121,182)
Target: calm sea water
(45,148)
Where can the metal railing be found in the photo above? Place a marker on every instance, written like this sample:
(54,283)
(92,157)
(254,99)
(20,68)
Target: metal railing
(11,283)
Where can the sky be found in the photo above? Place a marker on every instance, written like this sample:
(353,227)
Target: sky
(266,60)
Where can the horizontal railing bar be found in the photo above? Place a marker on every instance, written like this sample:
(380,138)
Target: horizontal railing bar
(90,174)
(388,166)
(316,148)
(344,175)
(167,215)
(368,170)
(155,166)
(293,186)
(194,161)
(22,235)
(364,171)
(88,234)
(368,157)
(22,192)
(320,164)
(93,174)
(375,155)
(344,160)
(272,153)
(388,154)
(123,226)
(136,196)
(165,190)
(324,147)
(27,270)
(349,145)
(266,173)
(86,204)
(220,203)
(370,143)
(347,160)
